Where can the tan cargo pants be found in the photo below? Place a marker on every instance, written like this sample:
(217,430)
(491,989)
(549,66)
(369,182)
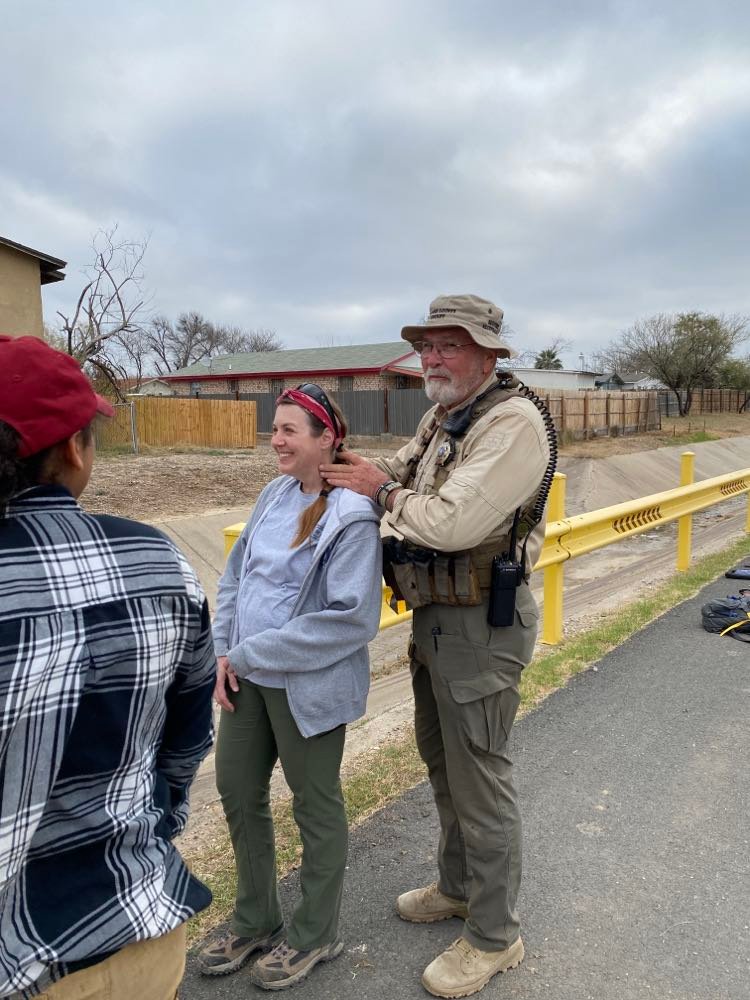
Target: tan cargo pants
(146,970)
(465,676)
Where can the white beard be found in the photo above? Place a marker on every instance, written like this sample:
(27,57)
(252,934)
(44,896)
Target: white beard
(451,390)
(445,393)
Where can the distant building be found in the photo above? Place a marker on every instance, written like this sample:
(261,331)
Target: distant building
(627,381)
(334,369)
(22,273)
(154,387)
(554,378)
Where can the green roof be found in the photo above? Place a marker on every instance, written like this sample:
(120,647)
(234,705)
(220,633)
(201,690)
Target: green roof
(307,359)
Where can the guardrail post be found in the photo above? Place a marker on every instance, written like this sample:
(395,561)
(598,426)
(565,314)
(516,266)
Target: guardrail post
(552,626)
(231,534)
(685,523)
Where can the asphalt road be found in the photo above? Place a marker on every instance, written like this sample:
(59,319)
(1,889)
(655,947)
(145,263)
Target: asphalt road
(635,786)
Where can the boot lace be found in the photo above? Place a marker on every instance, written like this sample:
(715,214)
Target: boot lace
(466,949)
(282,950)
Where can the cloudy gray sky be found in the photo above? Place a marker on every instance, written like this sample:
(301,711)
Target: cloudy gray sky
(324,168)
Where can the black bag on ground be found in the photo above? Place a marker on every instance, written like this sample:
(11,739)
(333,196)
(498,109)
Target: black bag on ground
(722,614)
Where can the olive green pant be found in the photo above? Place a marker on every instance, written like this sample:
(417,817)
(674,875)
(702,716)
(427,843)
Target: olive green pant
(465,676)
(260,731)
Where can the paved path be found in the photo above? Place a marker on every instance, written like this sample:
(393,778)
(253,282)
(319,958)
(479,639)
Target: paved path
(635,786)
(201,539)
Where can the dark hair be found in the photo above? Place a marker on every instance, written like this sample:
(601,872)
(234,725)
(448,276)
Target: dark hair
(18,474)
(310,517)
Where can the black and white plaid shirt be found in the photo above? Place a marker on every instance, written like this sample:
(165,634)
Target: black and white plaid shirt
(106,674)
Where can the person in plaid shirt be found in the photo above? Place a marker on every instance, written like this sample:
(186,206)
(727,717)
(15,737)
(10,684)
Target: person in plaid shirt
(106,674)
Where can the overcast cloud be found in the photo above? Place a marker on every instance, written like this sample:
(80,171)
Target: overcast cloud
(324,169)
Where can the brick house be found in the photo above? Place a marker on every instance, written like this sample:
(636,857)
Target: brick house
(355,367)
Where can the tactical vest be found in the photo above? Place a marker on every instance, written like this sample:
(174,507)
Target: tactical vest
(452,578)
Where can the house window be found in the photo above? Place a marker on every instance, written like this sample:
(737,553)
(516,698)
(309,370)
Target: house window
(346,383)
(403,382)
(277,386)
(234,385)
(195,388)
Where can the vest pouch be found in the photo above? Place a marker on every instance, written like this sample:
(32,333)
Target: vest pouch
(467,591)
(403,580)
(445,579)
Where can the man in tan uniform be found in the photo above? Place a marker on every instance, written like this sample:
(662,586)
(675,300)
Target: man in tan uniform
(478,456)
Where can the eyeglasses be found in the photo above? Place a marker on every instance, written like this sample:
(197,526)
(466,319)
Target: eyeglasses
(315,392)
(447,350)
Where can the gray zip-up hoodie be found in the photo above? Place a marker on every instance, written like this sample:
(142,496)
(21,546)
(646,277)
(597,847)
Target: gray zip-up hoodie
(322,650)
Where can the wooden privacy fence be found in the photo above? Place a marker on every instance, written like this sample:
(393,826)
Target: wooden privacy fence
(214,422)
(584,414)
(705,401)
(167,421)
(119,432)
(576,413)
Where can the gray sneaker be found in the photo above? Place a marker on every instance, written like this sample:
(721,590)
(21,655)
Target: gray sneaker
(229,952)
(285,966)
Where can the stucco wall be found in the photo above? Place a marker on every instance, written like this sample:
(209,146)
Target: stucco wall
(20,294)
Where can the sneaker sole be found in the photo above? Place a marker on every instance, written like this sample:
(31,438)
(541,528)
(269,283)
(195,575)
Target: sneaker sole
(516,954)
(299,977)
(225,970)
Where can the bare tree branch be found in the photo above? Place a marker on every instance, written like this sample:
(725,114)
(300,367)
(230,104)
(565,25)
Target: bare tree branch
(111,303)
(235,340)
(193,338)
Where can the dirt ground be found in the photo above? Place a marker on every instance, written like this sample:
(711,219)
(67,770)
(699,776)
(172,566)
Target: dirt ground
(169,482)
(163,482)
(674,430)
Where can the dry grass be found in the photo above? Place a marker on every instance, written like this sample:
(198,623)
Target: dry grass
(674,431)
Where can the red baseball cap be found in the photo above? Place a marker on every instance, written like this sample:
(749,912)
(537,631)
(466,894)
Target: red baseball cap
(44,395)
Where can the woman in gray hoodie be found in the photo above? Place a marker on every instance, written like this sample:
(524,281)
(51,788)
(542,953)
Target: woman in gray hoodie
(298,603)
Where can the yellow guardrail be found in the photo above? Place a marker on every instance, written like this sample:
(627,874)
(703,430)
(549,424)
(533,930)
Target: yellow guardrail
(570,537)
(231,534)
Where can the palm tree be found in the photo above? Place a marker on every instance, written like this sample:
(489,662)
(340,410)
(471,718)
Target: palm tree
(548,359)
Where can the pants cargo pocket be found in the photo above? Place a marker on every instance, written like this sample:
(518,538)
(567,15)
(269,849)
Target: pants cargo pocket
(454,658)
(486,707)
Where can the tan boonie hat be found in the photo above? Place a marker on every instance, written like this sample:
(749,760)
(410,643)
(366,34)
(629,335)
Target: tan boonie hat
(479,317)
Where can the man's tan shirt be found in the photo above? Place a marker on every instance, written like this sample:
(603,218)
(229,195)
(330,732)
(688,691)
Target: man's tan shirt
(498,466)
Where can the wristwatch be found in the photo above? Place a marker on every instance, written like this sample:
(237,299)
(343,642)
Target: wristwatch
(383,492)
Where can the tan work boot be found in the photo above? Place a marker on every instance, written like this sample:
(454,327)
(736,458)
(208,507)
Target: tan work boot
(425,906)
(463,969)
